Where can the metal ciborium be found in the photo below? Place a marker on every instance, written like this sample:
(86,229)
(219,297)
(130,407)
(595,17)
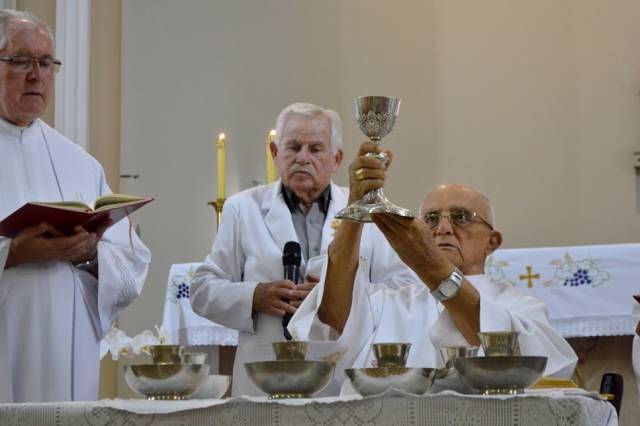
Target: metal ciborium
(449,353)
(500,343)
(376,116)
(391,354)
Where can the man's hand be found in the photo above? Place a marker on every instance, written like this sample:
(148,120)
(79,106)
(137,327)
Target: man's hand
(91,249)
(367,173)
(413,241)
(43,242)
(281,297)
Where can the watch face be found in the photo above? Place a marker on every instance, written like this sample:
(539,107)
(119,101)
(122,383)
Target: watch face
(448,288)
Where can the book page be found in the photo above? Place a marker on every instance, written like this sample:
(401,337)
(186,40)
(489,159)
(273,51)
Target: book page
(68,205)
(113,200)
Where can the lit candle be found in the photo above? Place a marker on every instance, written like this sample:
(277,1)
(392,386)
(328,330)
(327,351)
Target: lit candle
(271,168)
(220,155)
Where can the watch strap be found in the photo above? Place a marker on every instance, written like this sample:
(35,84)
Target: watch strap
(455,279)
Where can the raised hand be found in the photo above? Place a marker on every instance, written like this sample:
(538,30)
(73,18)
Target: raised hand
(413,241)
(367,173)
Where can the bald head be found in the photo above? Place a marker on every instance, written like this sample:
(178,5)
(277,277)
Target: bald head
(470,193)
(466,245)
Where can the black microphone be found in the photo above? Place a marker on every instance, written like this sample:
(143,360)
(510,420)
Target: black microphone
(291,256)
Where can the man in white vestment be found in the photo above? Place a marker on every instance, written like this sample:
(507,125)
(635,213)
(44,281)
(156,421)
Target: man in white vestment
(425,286)
(58,294)
(240,284)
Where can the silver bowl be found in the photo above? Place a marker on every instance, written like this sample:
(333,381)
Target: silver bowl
(290,379)
(501,374)
(213,387)
(373,381)
(165,381)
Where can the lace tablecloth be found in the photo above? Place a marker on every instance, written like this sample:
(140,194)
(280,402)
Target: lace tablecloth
(392,408)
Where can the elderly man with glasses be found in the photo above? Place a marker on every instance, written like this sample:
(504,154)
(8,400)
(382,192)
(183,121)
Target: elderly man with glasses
(426,286)
(59,294)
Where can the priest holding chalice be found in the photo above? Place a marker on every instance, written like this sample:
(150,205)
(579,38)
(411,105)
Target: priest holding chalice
(421,281)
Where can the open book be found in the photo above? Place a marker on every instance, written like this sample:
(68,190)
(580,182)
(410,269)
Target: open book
(65,215)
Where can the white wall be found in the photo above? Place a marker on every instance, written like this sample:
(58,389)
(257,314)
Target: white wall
(533,101)
(537,104)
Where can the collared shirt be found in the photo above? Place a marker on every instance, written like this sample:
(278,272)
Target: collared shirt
(308,225)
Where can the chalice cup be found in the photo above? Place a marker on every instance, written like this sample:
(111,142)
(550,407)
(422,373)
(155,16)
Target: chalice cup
(376,116)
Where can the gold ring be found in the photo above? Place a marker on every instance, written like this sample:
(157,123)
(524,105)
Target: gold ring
(360,174)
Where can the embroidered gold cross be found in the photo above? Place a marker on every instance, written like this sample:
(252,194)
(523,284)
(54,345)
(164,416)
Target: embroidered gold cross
(530,277)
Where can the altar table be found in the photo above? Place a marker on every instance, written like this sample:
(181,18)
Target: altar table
(391,408)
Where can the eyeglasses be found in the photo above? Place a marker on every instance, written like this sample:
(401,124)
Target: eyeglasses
(459,218)
(25,64)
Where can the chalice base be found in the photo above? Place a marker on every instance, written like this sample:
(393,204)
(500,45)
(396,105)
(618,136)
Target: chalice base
(373,202)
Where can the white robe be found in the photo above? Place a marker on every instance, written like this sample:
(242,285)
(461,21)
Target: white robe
(255,226)
(391,304)
(53,315)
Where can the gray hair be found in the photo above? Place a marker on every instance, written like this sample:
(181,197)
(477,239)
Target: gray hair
(492,215)
(9,15)
(310,110)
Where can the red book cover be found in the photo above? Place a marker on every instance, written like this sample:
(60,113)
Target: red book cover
(65,218)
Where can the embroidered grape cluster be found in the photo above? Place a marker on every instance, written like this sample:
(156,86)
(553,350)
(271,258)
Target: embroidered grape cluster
(183,291)
(580,277)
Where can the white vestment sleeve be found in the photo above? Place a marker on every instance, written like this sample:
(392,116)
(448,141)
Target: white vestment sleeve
(123,263)
(503,308)
(218,291)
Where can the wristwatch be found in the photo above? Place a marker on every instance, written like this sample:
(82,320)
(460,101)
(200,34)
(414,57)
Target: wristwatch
(449,287)
(88,265)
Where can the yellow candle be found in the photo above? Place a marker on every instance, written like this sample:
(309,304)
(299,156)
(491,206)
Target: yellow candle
(271,168)
(220,155)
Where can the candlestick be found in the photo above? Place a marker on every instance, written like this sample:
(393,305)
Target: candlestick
(270,166)
(221,160)
(217,205)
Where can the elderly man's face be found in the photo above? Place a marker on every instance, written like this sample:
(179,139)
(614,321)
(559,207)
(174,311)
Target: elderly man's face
(466,247)
(24,96)
(304,160)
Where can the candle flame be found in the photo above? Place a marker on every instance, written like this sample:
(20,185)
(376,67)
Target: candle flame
(271,137)
(221,139)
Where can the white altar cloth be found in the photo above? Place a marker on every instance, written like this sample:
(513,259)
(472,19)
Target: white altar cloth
(183,325)
(587,289)
(445,408)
